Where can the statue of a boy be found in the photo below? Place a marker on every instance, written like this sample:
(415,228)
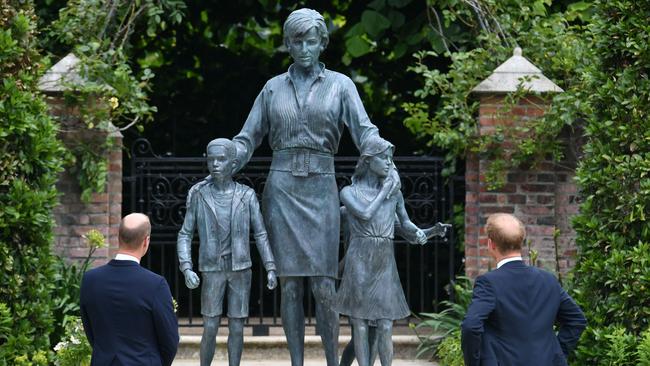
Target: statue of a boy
(223,212)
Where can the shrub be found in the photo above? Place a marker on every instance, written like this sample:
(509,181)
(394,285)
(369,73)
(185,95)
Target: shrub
(616,346)
(643,350)
(67,284)
(30,159)
(612,277)
(443,328)
(73,349)
(449,351)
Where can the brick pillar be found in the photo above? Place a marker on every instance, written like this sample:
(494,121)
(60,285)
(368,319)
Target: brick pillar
(74,218)
(543,197)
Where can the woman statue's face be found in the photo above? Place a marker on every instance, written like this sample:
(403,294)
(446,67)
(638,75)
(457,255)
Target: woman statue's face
(306,48)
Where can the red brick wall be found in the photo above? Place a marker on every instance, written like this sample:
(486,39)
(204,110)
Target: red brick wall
(74,218)
(543,197)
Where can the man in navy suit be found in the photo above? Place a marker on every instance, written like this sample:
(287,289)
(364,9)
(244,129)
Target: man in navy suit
(127,311)
(513,310)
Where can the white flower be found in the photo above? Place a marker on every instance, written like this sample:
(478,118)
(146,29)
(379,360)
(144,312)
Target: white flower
(59,346)
(75,340)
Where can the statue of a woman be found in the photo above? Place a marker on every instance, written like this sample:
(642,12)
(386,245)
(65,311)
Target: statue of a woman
(303,112)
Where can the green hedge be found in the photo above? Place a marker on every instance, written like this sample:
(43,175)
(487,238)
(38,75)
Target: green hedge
(612,277)
(30,158)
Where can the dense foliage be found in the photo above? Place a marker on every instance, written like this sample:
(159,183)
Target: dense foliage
(551,34)
(30,158)
(599,54)
(113,94)
(612,277)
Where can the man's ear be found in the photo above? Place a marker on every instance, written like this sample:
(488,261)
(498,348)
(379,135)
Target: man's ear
(145,244)
(235,163)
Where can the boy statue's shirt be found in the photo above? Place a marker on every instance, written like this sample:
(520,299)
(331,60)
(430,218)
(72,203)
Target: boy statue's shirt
(223,206)
(206,217)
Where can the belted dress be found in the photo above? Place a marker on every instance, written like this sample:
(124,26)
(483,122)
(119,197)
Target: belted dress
(300,202)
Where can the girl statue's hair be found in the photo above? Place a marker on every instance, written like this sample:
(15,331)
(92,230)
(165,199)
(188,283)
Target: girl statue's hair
(370,147)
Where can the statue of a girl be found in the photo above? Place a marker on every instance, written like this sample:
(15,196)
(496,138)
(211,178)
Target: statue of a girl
(370,290)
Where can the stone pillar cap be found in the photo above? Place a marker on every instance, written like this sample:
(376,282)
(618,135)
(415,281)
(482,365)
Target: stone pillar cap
(62,75)
(513,73)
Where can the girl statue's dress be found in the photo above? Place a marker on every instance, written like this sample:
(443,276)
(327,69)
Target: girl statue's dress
(370,288)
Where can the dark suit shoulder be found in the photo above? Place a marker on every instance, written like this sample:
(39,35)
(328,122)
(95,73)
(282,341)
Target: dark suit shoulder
(96,272)
(151,276)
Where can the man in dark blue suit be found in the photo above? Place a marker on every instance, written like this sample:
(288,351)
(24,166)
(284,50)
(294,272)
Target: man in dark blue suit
(514,308)
(127,310)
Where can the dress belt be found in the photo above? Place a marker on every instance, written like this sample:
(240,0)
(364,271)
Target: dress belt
(371,236)
(301,162)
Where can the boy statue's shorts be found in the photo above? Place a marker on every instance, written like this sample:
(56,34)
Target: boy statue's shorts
(213,291)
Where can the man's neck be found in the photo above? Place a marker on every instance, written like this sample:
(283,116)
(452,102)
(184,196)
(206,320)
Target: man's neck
(133,254)
(510,255)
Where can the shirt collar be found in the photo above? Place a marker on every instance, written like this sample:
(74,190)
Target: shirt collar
(126,257)
(321,74)
(508,260)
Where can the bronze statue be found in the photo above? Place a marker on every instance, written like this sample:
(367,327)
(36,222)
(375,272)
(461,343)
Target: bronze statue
(223,212)
(371,293)
(303,112)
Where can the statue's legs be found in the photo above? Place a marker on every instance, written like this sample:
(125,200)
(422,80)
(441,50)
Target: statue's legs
(293,317)
(327,319)
(209,339)
(361,344)
(235,340)
(348,355)
(385,341)
(372,339)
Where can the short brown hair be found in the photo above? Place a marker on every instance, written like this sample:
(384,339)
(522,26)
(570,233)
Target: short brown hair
(130,235)
(506,231)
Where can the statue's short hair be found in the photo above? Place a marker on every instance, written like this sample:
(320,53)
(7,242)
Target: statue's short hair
(301,21)
(231,149)
(506,231)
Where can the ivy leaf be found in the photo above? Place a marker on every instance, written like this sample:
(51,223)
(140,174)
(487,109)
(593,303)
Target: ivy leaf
(580,9)
(374,23)
(539,8)
(437,43)
(356,30)
(357,46)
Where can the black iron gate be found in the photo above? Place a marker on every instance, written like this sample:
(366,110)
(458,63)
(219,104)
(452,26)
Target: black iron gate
(158,186)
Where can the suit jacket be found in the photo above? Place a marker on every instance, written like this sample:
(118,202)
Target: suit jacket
(128,316)
(511,317)
(244,214)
